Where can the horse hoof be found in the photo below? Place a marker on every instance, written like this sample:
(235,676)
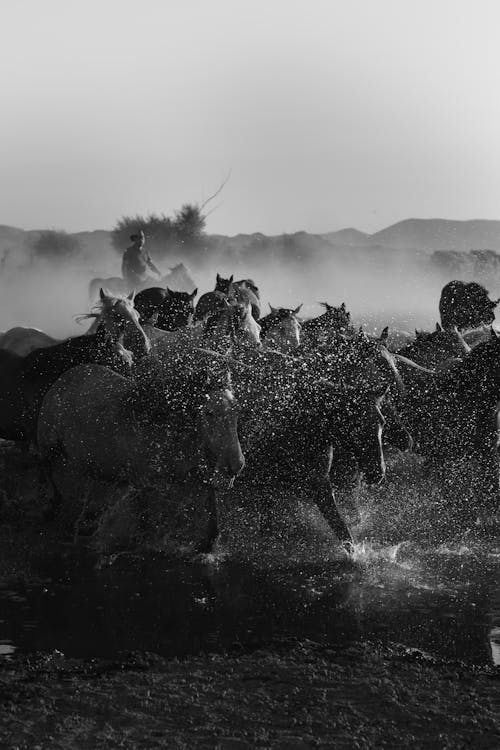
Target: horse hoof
(348,546)
(203,546)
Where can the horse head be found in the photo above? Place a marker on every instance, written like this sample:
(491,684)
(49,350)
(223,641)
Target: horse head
(119,318)
(233,323)
(177,310)
(281,328)
(223,285)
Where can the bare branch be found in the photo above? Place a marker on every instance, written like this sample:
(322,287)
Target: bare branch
(219,189)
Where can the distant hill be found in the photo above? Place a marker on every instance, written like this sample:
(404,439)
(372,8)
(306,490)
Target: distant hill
(419,237)
(348,236)
(440,234)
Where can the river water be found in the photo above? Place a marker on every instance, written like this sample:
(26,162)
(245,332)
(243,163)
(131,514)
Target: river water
(443,601)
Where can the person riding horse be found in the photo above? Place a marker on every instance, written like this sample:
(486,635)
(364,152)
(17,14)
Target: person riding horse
(136,261)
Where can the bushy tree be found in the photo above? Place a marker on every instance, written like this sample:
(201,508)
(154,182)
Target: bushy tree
(189,224)
(184,234)
(159,231)
(55,244)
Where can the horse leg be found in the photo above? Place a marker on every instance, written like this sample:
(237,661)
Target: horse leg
(325,500)
(486,486)
(206,542)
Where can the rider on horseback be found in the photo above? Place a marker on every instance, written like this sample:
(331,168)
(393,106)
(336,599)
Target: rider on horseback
(136,261)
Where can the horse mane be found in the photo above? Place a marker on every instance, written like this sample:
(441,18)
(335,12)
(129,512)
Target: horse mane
(102,307)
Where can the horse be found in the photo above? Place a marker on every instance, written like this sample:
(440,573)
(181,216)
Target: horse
(466,305)
(366,364)
(246,291)
(231,325)
(210,301)
(168,309)
(436,348)
(25,380)
(169,422)
(454,418)
(299,430)
(280,329)
(333,321)
(22,340)
(178,278)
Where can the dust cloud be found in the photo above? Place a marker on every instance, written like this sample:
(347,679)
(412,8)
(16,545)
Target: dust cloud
(395,288)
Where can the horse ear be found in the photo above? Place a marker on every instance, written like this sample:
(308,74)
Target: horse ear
(169,291)
(384,335)
(193,294)
(438,327)
(342,306)
(102,294)
(218,277)
(297,309)
(273,309)
(231,279)
(131,295)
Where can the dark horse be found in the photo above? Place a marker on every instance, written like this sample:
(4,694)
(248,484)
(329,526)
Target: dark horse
(169,310)
(466,305)
(333,321)
(157,428)
(209,302)
(281,328)
(453,417)
(299,428)
(436,348)
(24,381)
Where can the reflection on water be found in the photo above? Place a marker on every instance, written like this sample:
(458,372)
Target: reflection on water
(6,648)
(444,604)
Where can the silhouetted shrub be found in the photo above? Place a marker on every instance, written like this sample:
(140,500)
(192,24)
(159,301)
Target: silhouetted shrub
(55,244)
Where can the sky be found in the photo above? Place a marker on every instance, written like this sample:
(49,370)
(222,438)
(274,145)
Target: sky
(322,114)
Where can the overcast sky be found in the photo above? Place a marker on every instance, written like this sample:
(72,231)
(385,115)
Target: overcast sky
(328,113)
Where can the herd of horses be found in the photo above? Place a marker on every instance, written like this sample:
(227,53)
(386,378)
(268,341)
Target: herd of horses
(162,388)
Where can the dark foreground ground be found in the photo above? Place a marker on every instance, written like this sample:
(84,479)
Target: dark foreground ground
(276,692)
(294,695)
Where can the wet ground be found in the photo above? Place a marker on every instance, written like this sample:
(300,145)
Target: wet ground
(275,641)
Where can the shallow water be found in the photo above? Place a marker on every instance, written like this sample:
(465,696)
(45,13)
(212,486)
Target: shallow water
(445,602)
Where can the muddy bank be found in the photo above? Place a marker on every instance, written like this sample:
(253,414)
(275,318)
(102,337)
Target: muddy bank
(289,695)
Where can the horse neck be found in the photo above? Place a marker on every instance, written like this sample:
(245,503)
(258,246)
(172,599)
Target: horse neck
(173,317)
(135,339)
(479,379)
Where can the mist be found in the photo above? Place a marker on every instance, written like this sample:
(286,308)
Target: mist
(379,288)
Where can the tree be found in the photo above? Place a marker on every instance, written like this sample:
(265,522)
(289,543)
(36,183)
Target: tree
(159,231)
(165,236)
(55,244)
(189,224)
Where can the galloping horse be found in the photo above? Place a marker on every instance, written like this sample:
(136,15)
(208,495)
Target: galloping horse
(280,329)
(298,429)
(232,324)
(454,417)
(334,320)
(169,422)
(168,309)
(436,348)
(25,380)
(210,302)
